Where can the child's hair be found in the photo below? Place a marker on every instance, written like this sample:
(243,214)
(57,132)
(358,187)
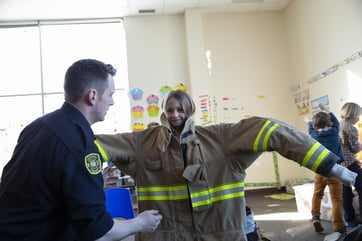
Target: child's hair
(184,99)
(351,110)
(321,120)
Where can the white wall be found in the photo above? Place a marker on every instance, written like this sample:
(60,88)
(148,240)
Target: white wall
(249,64)
(156,50)
(321,34)
(256,58)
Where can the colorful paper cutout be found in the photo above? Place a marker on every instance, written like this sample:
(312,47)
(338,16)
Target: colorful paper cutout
(136,93)
(153,110)
(138,126)
(137,111)
(152,99)
(180,86)
(164,90)
(335,67)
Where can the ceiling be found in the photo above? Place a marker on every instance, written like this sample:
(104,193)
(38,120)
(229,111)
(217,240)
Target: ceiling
(137,7)
(75,9)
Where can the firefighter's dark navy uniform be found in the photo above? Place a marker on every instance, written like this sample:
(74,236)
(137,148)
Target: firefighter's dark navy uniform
(53,183)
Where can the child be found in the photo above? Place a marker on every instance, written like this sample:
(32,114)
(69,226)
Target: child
(350,114)
(324,128)
(194,175)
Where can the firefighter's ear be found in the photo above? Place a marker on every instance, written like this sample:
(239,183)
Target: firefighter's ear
(92,96)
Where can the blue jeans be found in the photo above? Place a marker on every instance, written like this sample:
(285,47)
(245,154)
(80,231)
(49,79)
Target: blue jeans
(349,212)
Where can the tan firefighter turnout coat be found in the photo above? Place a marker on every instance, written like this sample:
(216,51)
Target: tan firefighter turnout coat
(197,182)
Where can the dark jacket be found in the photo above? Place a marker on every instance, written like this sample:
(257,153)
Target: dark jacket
(52,188)
(329,138)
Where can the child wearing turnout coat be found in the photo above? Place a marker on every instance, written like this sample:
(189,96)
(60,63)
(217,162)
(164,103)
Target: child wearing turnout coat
(195,175)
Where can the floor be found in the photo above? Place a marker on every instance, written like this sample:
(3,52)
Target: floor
(280,220)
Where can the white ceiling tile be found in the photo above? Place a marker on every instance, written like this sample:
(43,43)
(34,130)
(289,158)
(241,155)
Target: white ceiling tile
(215,2)
(145,3)
(273,5)
(216,9)
(175,10)
(181,2)
(241,7)
(50,9)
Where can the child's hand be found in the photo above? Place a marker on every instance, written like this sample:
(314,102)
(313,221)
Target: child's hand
(323,107)
(307,118)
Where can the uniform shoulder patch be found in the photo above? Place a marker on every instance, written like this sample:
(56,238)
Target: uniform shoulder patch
(93,163)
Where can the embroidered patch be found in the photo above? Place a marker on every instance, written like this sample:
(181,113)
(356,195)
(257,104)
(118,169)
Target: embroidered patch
(93,163)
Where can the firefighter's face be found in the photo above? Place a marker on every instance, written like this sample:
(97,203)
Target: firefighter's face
(175,113)
(104,101)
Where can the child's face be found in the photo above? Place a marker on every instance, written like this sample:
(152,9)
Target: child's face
(175,113)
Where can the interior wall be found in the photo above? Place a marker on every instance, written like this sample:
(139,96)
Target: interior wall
(250,68)
(249,64)
(248,76)
(156,52)
(322,34)
(256,58)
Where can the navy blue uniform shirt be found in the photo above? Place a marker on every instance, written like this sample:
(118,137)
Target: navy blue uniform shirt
(52,187)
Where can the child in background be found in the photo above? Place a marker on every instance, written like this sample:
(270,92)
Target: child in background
(350,114)
(324,128)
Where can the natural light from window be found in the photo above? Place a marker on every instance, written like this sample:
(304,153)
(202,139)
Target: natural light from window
(33,62)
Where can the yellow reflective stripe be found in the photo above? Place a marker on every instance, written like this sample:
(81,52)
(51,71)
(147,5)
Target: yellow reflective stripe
(228,196)
(310,153)
(267,136)
(217,198)
(227,186)
(199,194)
(162,193)
(217,189)
(101,151)
(204,197)
(316,154)
(320,158)
(161,188)
(256,142)
(163,198)
(215,194)
(263,136)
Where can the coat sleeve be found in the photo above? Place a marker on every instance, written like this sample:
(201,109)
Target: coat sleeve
(310,128)
(334,120)
(120,149)
(257,134)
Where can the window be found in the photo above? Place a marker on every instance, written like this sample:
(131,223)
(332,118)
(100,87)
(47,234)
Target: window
(34,60)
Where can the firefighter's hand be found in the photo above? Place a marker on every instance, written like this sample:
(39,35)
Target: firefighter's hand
(149,220)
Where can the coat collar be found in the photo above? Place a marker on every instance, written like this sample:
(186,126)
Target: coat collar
(187,134)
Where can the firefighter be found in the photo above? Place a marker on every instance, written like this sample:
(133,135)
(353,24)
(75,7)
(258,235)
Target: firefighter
(52,187)
(195,175)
